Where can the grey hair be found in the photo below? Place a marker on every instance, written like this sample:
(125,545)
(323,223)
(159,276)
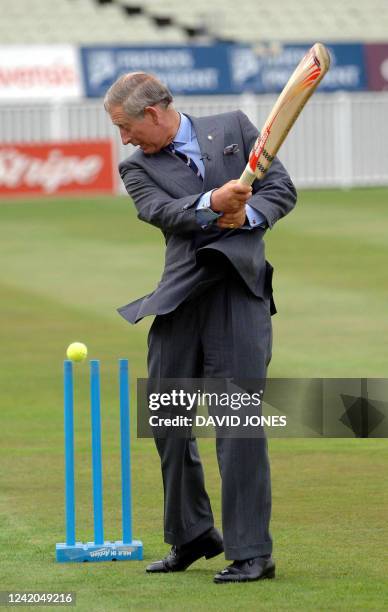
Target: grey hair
(136,90)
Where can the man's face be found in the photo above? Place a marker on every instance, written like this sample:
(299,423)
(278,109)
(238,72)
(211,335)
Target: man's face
(147,132)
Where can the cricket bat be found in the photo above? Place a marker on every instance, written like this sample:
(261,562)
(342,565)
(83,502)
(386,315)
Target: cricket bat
(301,84)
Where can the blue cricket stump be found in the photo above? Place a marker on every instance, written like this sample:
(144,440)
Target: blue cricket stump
(99,550)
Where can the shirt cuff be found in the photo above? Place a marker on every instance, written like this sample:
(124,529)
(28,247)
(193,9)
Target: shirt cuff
(255,219)
(204,215)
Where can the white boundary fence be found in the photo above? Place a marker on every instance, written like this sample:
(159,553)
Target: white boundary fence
(340,140)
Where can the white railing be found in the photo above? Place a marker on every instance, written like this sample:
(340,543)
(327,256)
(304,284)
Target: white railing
(340,140)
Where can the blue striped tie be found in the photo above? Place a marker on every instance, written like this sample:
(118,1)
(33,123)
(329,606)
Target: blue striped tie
(188,161)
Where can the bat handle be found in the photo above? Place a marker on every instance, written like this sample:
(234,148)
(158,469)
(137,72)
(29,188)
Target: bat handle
(247,176)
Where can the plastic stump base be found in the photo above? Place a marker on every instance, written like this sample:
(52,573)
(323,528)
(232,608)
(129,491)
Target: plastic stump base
(109,551)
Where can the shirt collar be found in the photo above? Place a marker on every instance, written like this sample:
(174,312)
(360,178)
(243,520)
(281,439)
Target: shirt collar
(184,133)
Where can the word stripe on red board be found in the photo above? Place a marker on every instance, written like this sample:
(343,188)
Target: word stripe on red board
(52,168)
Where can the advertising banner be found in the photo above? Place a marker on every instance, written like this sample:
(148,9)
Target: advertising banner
(267,68)
(221,68)
(39,72)
(56,168)
(377,66)
(186,70)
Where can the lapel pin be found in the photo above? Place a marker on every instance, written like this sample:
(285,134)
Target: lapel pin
(210,137)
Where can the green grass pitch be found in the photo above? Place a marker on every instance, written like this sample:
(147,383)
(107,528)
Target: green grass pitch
(66,264)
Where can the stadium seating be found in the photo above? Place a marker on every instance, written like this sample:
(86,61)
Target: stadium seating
(88,21)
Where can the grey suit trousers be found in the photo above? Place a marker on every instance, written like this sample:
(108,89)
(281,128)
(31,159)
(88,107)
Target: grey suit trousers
(224,332)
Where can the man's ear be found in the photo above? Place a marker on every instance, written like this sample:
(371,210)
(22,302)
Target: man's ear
(152,113)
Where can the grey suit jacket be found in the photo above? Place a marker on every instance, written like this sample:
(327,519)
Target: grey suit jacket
(165,192)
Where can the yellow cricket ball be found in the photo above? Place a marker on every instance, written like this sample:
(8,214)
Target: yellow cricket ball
(77,351)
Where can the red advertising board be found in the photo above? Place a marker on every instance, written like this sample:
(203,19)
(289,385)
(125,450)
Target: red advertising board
(377,66)
(56,168)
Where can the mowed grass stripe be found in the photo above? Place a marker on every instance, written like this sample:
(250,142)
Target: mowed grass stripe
(97,276)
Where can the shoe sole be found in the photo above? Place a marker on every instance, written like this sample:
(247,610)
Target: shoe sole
(269,575)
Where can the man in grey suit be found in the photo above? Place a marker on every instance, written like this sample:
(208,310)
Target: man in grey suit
(213,306)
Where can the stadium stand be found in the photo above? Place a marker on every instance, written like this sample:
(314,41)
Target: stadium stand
(174,21)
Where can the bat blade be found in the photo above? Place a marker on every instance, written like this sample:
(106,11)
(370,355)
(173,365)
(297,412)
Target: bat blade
(300,86)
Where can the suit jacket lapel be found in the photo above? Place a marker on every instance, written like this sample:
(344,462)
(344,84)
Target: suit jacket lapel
(176,171)
(210,139)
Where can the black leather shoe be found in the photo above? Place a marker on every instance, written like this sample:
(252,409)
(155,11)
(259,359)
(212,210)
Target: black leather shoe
(247,571)
(207,545)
